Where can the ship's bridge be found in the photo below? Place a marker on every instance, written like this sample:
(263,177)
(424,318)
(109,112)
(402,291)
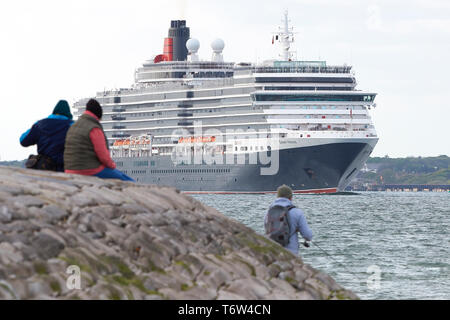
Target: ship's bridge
(300,67)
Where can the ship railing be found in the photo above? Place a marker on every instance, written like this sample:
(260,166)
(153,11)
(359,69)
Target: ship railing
(306,69)
(157,87)
(188,65)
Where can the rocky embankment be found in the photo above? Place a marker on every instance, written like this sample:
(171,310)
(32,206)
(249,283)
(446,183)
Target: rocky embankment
(134,241)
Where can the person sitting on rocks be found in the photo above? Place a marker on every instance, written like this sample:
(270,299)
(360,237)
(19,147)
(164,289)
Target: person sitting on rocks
(296,221)
(87,150)
(49,135)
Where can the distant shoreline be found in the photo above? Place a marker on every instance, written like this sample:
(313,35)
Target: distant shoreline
(402,188)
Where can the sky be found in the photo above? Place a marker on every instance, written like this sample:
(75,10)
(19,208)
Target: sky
(64,49)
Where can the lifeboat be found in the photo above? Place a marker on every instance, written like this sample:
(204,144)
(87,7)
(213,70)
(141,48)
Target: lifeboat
(197,139)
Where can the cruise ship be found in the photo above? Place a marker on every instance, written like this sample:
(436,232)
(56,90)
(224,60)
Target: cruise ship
(211,126)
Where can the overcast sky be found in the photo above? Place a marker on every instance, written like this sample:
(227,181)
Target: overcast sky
(62,49)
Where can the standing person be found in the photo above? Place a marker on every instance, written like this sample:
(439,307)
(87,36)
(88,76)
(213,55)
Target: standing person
(49,135)
(87,150)
(283,221)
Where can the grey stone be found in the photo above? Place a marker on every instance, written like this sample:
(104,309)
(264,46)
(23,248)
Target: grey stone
(98,225)
(215,279)
(227,295)
(327,280)
(53,213)
(28,201)
(132,208)
(82,228)
(284,265)
(199,293)
(54,234)
(46,246)
(5,215)
(279,295)
(10,190)
(283,285)
(9,254)
(106,211)
(83,199)
(249,288)
(305,295)
(317,288)
(38,290)
(274,270)
(301,275)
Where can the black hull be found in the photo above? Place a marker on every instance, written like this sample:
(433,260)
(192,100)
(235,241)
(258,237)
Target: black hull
(322,168)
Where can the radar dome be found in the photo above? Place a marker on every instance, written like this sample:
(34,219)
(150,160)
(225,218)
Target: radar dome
(193,45)
(217,45)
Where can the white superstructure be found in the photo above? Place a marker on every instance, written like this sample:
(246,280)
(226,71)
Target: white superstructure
(229,108)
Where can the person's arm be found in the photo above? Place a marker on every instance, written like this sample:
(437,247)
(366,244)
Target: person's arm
(30,137)
(303,227)
(102,152)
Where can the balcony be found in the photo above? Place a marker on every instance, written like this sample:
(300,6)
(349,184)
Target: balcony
(121,135)
(185,123)
(185,114)
(118,118)
(185,105)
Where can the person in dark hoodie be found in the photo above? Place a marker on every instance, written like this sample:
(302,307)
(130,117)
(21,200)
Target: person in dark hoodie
(49,135)
(87,150)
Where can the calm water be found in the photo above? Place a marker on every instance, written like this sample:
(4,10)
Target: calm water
(405,234)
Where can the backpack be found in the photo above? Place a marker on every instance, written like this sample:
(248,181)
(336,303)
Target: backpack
(40,162)
(277,224)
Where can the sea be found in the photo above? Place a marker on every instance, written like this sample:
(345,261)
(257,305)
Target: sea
(380,245)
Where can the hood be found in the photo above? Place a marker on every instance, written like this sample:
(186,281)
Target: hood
(62,108)
(284,202)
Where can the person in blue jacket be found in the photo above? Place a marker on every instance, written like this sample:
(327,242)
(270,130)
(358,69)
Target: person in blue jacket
(297,220)
(49,135)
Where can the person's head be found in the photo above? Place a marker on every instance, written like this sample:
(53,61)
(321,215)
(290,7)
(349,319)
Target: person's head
(284,192)
(94,107)
(62,108)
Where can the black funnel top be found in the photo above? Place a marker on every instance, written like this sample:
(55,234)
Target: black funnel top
(180,35)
